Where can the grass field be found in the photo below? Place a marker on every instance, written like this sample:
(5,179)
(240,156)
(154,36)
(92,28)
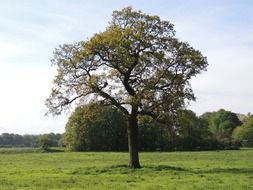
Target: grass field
(97,171)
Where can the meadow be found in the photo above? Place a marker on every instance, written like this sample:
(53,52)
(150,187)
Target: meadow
(27,170)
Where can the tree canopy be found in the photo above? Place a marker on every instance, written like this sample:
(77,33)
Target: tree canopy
(244,133)
(221,124)
(96,128)
(137,65)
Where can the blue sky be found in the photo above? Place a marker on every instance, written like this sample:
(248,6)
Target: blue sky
(30,30)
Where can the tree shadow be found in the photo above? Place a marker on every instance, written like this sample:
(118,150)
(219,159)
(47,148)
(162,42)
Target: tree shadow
(248,171)
(154,168)
(231,170)
(158,168)
(167,167)
(124,169)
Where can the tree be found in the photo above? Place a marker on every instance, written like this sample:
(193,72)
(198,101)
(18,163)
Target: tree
(244,133)
(221,124)
(137,65)
(45,142)
(149,134)
(95,127)
(192,131)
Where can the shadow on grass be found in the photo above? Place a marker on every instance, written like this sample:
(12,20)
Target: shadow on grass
(204,171)
(157,168)
(231,170)
(148,167)
(166,167)
(124,169)
(53,150)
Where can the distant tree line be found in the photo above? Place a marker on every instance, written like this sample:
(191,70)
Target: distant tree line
(97,128)
(15,140)
(103,128)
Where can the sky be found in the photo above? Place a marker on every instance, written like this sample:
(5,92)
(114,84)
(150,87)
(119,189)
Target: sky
(30,31)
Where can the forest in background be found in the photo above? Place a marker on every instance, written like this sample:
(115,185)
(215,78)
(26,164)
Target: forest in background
(97,128)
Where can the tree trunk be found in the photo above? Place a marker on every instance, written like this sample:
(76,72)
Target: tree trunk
(132,131)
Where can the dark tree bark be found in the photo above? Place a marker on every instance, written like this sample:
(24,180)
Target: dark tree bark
(132,131)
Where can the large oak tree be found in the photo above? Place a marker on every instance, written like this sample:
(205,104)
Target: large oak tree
(137,64)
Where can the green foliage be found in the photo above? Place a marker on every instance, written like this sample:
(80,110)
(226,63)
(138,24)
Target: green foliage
(45,142)
(149,134)
(74,131)
(141,65)
(244,134)
(137,65)
(193,132)
(95,127)
(15,140)
(188,132)
(221,124)
(11,139)
(212,170)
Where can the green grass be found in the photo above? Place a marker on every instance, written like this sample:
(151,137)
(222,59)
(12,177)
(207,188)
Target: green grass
(228,170)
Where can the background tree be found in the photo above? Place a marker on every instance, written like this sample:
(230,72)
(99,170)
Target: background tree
(95,127)
(137,65)
(221,124)
(150,137)
(193,132)
(30,140)
(15,140)
(10,139)
(45,142)
(244,134)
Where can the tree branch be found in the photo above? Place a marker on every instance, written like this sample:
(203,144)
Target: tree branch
(111,99)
